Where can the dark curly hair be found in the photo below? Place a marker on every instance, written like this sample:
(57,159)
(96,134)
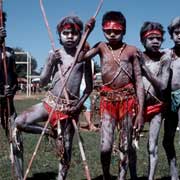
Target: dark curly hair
(148,26)
(174,24)
(115,16)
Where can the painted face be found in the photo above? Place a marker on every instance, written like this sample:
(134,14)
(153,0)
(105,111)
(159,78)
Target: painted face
(113,35)
(176,36)
(153,42)
(70,37)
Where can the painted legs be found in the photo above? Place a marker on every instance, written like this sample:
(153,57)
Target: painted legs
(65,141)
(127,151)
(170,125)
(154,129)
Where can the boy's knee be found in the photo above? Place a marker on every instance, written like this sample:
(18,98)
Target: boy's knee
(105,148)
(20,123)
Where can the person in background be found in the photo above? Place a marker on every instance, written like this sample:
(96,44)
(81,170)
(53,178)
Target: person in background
(8,88)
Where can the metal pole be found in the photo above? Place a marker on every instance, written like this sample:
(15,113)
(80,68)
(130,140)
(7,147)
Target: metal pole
(28,71)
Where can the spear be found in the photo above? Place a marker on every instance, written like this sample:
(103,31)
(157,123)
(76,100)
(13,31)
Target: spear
(8,124)
(83,39)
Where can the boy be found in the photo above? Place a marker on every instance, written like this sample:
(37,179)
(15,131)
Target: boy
(7,93)
(173,116)
(70,31)
(121,94)
(156,73)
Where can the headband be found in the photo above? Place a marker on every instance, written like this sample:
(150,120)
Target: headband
(152,32)
(112,25)
(69,26)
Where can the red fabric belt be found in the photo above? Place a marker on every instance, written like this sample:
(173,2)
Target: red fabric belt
(152,110)
(119,107)
(56,115)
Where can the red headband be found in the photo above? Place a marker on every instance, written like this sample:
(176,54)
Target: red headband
(113,25)
(152,32)
(69,26)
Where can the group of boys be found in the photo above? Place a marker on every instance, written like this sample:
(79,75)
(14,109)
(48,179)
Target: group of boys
(137,87)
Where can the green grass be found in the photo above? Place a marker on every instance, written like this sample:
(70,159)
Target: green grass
(45,165)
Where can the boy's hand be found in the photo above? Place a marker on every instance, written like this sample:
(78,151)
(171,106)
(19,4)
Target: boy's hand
(72,110)
(90,24)
(2,33)
(138,125)
(55,57)
(8,91)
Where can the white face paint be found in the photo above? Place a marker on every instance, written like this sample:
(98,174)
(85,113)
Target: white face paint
(176,36)
(70,38)
(153,42)
(113,36)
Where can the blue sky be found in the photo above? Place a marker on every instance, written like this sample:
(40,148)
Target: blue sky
(26,28)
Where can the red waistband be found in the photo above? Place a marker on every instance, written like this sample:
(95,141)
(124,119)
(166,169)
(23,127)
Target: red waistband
(56,115)
(152,110)
(107,88)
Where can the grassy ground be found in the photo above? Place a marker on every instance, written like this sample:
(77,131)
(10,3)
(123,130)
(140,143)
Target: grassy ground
(45,165)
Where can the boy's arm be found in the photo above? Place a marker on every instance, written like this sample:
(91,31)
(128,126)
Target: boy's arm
(89,84)
(12,87)
(140,94)
(160,80)
(87,53)
(48,68)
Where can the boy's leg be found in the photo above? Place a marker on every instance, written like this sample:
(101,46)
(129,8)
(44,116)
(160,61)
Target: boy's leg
(107,139)
(65,142)
(170,125)
(26,122)
(29,119)
(18,156)
(127,151)
(88,114)
(17,148)
(154,129)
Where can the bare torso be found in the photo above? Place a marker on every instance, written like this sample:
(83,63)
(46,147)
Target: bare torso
(154,67)
(117,65)
(73,83)
(175,66)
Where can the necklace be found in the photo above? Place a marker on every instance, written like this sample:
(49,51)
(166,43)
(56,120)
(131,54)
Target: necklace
(117,59)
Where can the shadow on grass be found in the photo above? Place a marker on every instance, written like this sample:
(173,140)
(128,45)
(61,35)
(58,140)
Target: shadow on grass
(101,178)
(164,178)
(142,178)
(43,176)
(139,178)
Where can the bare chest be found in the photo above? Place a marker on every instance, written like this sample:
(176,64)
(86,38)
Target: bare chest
(153,66)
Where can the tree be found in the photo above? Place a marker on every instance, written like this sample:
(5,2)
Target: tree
(22,68)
